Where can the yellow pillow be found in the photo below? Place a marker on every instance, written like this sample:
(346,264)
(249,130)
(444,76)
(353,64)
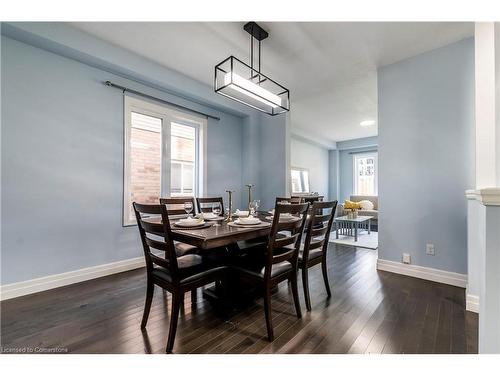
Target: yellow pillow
(349,205)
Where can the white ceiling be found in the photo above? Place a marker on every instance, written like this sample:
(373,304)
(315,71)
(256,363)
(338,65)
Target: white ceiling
(329,67)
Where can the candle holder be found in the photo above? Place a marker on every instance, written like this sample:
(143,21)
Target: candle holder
(249,186)
(229,217)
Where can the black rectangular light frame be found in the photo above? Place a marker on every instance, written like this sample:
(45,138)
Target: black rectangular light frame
(262,78)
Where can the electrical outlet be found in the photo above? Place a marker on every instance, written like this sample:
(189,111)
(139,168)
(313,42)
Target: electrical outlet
(406,258)
(429,249)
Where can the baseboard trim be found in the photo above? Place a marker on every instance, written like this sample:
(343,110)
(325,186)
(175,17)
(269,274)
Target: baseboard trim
(41,284)
(426,273)
(472,303)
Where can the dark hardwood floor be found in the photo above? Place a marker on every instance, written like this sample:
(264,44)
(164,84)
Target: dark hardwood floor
(370,312)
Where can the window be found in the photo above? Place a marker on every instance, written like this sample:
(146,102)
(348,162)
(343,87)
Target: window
(365,173)
(164,154)
(300,180)
(183,156)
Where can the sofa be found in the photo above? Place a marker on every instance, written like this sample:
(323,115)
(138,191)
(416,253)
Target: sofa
(356,198)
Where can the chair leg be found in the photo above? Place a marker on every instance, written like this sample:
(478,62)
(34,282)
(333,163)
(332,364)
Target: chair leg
(325,276)
(305,284)
(147,306)
(295,293)
(269,318)
(194,296)
(177,298)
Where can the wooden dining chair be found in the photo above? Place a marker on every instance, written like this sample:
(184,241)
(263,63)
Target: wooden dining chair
(314,249)
(176,274)
(205,204)
(279,261)
(175,207)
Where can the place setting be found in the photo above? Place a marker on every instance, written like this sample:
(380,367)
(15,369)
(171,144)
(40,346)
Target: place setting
(249,219)
(196,222)
(284,217)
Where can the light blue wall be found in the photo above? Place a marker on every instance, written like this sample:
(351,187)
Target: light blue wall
(304,154)
(272,169)
(345,164)
(62,163)
(333,175)
(426,156)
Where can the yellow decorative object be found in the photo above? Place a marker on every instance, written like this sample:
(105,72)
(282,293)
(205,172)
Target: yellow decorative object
(350,205)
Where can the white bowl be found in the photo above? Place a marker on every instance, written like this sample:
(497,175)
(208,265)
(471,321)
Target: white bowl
(248,220)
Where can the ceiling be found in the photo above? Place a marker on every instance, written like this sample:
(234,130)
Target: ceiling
(329,67)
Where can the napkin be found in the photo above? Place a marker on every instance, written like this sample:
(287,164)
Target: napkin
(242,213)
(191,220)
(208,215)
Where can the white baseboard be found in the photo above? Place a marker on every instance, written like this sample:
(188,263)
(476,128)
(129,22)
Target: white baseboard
(426,273)
(472,303)
(55,281)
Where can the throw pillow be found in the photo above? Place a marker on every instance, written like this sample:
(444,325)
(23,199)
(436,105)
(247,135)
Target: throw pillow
(350,205)
(366,205)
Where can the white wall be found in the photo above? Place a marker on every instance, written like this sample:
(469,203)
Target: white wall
(426,156)
(304,154)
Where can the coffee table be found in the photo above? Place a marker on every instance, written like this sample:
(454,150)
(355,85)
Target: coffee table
(350,226)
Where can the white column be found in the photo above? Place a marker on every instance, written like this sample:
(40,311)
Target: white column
(483,215)
(486,145)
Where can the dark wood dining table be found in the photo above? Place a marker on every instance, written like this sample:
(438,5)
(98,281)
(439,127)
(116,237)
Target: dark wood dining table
(211,237)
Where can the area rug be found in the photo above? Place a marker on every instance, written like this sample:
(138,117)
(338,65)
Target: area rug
(365,240)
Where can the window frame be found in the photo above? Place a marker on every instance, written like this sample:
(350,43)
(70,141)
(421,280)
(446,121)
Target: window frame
(167,115)
(360,155)
(301,170)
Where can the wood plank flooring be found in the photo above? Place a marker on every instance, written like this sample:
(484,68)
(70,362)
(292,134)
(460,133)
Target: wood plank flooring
(370,312)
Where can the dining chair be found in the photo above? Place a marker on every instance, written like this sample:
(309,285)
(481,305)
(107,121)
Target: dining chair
(173,273)
(279,261)
(175,207)
(205,204)
(314,249)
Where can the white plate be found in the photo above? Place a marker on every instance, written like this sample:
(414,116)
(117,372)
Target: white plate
(189,225)
(237,221)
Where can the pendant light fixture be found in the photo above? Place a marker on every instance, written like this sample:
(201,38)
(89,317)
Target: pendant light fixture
(246,84)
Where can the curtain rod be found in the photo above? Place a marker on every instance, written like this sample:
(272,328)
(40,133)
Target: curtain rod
(111,84)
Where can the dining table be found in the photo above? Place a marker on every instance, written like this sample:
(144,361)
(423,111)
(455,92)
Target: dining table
(212,236)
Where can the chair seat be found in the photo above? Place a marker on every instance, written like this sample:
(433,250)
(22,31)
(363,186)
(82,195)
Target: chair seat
(314,253)
(191,268)
(184,249)
(258,270)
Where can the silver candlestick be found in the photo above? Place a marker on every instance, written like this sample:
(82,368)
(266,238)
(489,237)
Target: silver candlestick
(229,217)
(249,186)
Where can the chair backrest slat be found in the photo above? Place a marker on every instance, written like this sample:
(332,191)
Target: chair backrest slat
(319,225)
(282,242)
(162,262)
(316,232)
(205,204)
(175,206)
(283,256)
(152,227)
(158,245)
